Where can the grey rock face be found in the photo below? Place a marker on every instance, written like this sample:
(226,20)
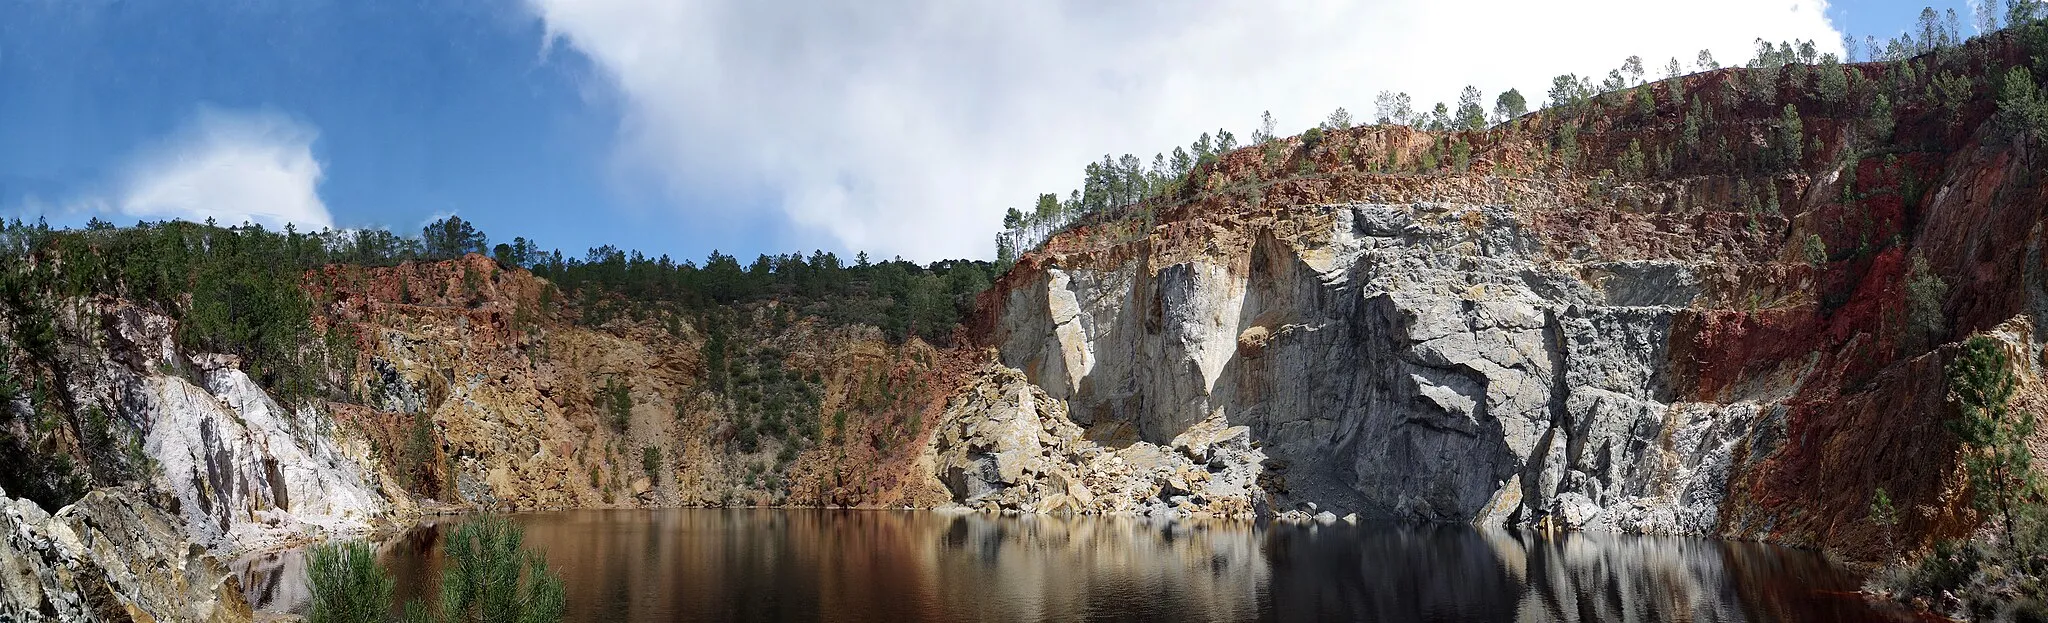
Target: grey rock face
(1427,361)
(109,557)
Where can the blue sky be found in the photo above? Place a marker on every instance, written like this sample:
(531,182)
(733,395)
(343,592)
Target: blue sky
(895,126)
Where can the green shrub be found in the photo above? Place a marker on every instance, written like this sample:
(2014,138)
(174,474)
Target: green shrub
(347,584)
(1925,293)
(1815,250)
(617,401)
(491,576)
(650,461)
(417,459)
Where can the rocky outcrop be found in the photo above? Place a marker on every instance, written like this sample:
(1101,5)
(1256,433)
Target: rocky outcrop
(1003,444)
(247,472)
(110,557)
(1427,361)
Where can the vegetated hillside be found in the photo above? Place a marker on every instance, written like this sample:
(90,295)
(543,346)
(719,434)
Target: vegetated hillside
(647,382)
(1723,303)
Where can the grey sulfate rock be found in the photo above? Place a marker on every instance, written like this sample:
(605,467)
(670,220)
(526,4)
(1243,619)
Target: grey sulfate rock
(1424,361)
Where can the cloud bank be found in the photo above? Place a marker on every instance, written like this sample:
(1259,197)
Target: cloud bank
(231,166)
(907,126)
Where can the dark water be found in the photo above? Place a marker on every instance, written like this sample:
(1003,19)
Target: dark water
(900,567)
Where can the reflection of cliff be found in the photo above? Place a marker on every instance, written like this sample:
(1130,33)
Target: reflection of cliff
(900,567)
(885,566)
(1451,573)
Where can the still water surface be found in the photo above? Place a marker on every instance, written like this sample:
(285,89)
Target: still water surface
(902,567)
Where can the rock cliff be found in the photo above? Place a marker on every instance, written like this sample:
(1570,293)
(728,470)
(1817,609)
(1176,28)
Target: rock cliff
(1744,340)
(1425,360)
(112,556)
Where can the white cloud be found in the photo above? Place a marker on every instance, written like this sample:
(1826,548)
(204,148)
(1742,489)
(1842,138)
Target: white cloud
(907,126)
(233,167)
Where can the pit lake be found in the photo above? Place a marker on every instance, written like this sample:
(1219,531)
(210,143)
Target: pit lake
(908,566)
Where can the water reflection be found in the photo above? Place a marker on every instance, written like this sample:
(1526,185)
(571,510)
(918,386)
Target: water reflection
(776,565)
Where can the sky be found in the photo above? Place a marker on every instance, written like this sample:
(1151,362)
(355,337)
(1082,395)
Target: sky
(896,127)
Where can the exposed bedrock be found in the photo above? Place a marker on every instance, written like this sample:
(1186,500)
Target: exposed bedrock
(1424,361)
(112,556)
(241,470)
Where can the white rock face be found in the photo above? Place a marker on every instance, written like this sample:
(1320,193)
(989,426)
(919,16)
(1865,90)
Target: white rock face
(1427,362)
(248,474)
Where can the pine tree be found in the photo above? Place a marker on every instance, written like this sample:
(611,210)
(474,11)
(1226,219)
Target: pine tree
(1930,30)
(1832,83)
(491,576)
(1986,13)
(1994,436)
(2022,112)
(1567,91)
(1791,137)
(1392,108)
(1471,116)
(1693,125)
(1705,61)
(1340,119)
(1925,294)
(1509,106)
(1630,164)
(1614,82)
(452,237)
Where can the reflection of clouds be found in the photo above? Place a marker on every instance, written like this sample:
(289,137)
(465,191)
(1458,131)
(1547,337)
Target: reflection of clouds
(898,567)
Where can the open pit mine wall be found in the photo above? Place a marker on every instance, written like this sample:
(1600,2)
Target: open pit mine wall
(1423,361)
(1727,343)
(1466,362)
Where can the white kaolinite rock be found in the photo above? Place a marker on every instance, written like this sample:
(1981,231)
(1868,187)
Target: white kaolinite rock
(248,473)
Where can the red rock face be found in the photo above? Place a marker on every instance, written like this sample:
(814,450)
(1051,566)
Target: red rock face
(1821,335)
